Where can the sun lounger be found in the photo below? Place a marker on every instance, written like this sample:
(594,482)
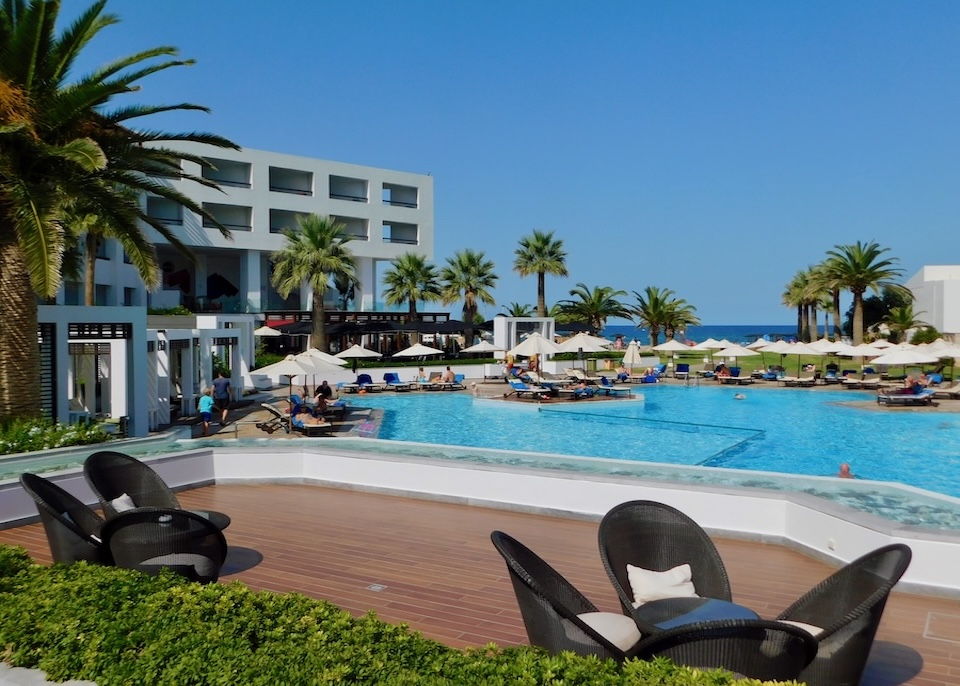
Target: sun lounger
(924,397)
(392,382)
(806,378)
(682,371)
(865,380)
(298,425)
(580,375)
(520,389)
(952,392)
(577,393)
(735,380)
(455,385)
(277,420)
(609,388)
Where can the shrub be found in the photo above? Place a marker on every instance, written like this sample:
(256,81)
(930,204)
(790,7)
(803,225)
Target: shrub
(25,435)
(116,626)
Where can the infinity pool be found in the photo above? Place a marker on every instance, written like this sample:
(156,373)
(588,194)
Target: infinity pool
(777,430)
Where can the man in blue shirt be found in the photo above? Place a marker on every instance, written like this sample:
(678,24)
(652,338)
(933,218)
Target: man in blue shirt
(221,396)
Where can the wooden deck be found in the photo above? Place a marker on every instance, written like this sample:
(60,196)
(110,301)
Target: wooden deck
(440,574)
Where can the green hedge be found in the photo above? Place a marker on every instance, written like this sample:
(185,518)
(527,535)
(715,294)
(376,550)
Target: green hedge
(117,626)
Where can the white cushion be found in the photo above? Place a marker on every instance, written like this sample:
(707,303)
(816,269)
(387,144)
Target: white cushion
(648,585)
(122,503)
(809,628)
(620,630)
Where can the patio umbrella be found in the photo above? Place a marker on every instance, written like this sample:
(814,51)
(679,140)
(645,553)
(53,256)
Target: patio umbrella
(632,356)
(355,352)
(906,356)
(882,343)
(585,342)
(535,344)
(672,346)
(418,350)
(758,344)
(735,351)
(799,349)
(266,331)
(326,357)
(289,367)
(483,347)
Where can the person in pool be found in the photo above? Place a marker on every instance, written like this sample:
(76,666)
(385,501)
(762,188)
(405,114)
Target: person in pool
(845,472)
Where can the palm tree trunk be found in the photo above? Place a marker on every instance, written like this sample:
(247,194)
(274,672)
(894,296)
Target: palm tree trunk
(654,335)
(814,327)
(857,317)
(799,322)
(90,270)
(837,332)
(412,311)
(541,294)
(20,374)
(805,323)
(469,314)
(319,322)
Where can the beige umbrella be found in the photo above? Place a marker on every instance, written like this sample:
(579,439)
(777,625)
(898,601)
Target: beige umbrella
(326,357)
(418,350)
(266,331)
(584,342)
(799,349)
(535,344)
(632,356)
(483,347)
(709,344)
(671,346)
(735,351)
(289,367)
(355,351)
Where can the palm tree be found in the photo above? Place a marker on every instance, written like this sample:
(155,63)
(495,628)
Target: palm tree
(345,285)
(59,143)
(680,315)
(653,310)
(411,278)
(518,310)
(595,306)
(469,276)
(901,319)
(832,282)
(315,253)
(541,254)
(859,267)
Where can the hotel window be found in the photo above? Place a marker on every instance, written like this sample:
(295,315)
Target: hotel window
(400,196)
(398,232)
(227,173)
(232,217)
(292,181)
(346,188)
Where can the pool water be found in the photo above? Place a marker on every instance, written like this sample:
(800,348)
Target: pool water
(794,431)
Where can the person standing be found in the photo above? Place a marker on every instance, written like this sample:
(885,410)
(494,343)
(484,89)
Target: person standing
(221,396)
(206,408)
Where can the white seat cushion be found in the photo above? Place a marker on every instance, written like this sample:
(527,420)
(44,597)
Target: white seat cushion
(620,630)
(809,628)
(122,503)
(648,585)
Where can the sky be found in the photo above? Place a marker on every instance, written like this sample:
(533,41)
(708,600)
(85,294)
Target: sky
(712,148)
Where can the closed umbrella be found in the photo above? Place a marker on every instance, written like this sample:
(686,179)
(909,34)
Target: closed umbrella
(632,356)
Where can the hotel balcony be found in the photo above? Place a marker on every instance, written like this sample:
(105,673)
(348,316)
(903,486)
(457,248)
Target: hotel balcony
(233,217)
(398,232)
(292,181)
(356,228)
(400,196)
(284,219)
(228,173)
(345,188)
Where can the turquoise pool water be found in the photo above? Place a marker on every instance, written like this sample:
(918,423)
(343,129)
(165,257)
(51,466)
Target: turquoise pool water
(777,430)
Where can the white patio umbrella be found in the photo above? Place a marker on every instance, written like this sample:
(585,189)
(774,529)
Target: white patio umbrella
(671,346)
(906,356)
(266,331)
(418,350)
(735,351)
(289,367)
(758,344)
(483,347)
(326,357)
(356,351)
(585,342)
(799,349)
(535,344)
(709,344)
(632,355)
(882,343)
(823,345)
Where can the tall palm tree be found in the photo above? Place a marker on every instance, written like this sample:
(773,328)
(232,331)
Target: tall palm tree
(901,319)
(680,315)
(469,276)
(58,142)
(653,310)
(860,267)
(541,254)
(594,306)
(794,297)
(410,278)
(832,282)
(314,253)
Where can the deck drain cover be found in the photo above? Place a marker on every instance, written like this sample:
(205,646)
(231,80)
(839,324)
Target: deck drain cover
(942,627)
(376,587)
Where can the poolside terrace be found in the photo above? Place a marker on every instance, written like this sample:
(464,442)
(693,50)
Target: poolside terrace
(441,575)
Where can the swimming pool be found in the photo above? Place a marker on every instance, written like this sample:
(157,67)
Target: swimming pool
(777,430)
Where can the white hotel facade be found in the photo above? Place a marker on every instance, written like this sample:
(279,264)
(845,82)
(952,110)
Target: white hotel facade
(386,212)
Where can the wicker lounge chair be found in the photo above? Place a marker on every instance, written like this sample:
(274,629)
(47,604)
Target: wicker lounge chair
(556,615)
(846,608)
(152,539)
(658,537)
(113,475)
(72,528)
(756,649)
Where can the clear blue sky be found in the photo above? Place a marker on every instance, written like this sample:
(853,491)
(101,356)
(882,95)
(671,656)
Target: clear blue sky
(713,148)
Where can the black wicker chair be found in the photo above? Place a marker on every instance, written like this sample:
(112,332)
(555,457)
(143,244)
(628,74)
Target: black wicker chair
(658,537)
(112,475)
(72,528)
(847,606)
(151,539)
(758,649)
(550,605)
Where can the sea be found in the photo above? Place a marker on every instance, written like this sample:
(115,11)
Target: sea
(738,333)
